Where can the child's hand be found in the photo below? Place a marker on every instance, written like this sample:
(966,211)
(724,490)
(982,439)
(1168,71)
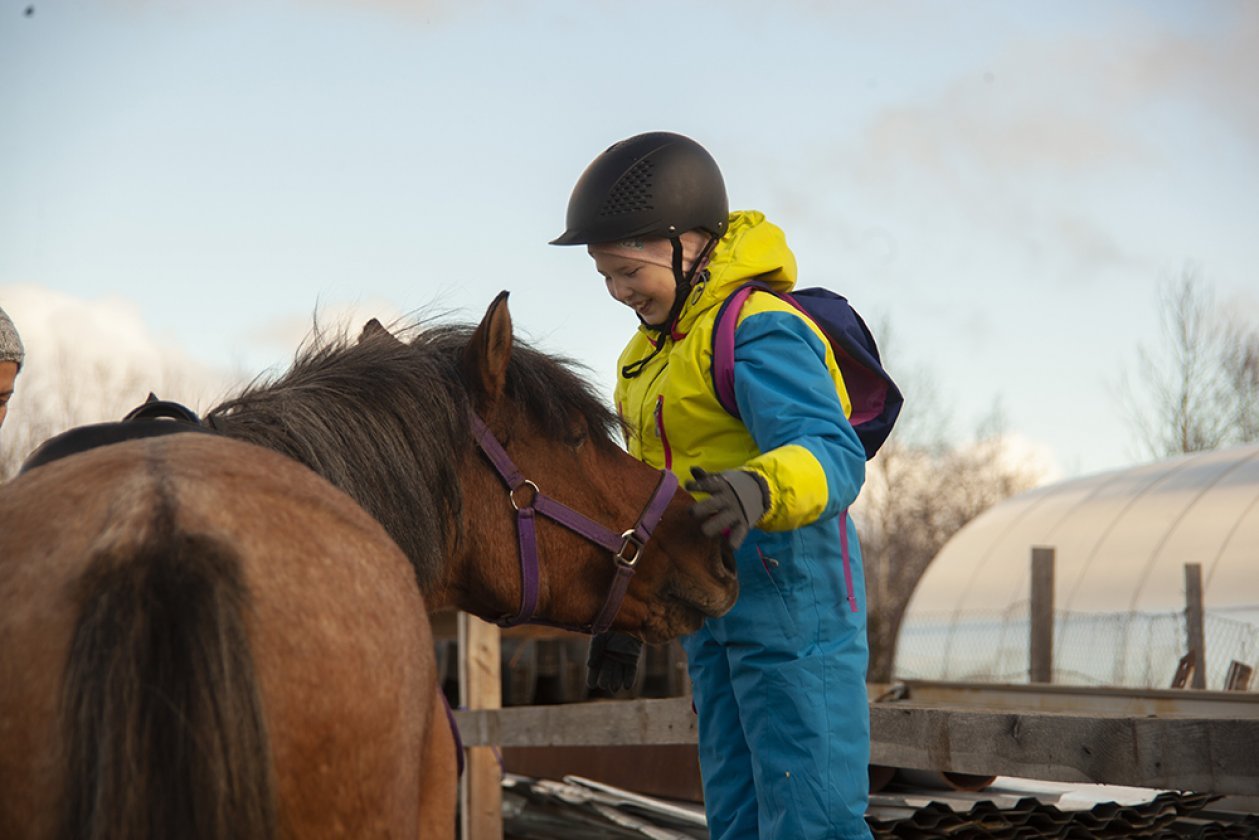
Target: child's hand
(736,502)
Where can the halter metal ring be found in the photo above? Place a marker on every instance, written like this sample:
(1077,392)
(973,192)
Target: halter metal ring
(631,548)
(511,494)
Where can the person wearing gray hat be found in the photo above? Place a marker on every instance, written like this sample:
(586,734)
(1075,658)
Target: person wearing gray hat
(12,354)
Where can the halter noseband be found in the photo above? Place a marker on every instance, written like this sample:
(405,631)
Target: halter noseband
(625,546)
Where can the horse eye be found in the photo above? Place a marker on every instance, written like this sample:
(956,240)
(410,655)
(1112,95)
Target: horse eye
(577,439)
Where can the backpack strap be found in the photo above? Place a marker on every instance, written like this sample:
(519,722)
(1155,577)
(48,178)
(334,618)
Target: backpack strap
(724,327)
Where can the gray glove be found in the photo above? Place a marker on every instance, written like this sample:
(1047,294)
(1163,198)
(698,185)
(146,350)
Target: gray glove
(613,661)
(737,500)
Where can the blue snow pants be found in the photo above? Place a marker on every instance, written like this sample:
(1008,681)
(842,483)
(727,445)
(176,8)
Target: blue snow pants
(779,686)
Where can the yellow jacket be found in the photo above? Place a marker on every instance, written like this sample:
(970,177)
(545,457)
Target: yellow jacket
(790,391)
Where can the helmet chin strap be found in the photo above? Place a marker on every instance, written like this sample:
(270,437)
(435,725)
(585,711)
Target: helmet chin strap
(683,281)
(682,290)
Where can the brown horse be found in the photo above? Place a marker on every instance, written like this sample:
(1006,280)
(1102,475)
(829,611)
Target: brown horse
(393,424)
(201,639)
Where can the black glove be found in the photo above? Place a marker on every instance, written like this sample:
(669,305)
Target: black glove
(613,661)
(737,501)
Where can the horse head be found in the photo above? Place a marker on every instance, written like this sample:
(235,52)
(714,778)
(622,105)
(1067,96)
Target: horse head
(613,539)
(467,446)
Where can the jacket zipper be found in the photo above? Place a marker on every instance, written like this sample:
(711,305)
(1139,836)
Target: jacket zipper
(664,439)
(843,548)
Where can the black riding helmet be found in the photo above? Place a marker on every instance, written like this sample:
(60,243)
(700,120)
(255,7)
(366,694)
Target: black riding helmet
(654,184)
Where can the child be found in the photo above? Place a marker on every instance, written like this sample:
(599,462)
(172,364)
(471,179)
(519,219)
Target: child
(779,681)
(11,356)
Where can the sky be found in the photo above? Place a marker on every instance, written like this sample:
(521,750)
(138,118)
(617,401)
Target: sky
(1000,188)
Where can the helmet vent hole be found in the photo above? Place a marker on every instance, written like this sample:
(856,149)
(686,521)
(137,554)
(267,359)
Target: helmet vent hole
(632,193)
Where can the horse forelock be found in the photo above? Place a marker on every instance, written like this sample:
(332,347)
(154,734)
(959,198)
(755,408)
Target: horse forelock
(550,389)
(386,421)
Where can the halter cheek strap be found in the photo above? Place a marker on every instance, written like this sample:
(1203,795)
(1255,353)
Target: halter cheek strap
(528,500)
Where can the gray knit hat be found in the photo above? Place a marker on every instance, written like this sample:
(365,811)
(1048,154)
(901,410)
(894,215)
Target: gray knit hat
(11,349)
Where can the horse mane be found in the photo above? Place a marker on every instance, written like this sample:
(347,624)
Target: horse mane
(386,421)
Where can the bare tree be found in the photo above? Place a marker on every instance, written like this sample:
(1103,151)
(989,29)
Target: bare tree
(1198,387)
(920,490)
(1239,362)
(65,389)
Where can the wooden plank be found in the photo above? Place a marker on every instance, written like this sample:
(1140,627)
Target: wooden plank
(1085,700)
(1193,624)
(600,723)
(1041,644)
(1184,669)
(1204,754)
(480,790)
(1237,677)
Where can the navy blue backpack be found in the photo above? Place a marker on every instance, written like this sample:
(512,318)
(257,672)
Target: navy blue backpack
(876,401)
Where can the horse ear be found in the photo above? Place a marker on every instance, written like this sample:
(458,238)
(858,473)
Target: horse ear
(373,331)
(489,350)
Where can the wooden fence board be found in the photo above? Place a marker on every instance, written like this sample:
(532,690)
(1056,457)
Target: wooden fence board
(1203,754)
(608,723)
(1206,755)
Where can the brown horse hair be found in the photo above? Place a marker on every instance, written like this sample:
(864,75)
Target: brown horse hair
(159,653)
(402,406)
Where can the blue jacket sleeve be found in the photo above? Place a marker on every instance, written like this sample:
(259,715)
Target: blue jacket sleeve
(811,458)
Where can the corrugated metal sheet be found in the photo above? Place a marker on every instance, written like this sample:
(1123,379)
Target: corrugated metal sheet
(1167,816)
(576,809)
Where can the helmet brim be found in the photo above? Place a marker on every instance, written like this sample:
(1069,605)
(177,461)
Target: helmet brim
(570,237)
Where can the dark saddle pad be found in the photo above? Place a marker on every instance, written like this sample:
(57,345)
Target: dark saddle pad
(154,418)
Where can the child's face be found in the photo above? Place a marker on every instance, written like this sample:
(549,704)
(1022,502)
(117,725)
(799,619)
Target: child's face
(646,288)
(8,375)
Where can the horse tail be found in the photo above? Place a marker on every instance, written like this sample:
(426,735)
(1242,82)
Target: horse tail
(161,713)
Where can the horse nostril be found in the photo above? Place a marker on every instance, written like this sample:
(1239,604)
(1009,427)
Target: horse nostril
(727,558)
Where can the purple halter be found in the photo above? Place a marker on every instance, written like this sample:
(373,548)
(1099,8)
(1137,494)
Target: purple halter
(625,546)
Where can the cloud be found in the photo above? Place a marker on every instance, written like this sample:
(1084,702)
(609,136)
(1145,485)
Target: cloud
(287,333)
(1214,67)
(90,360)
(1075,103)
(1044,145)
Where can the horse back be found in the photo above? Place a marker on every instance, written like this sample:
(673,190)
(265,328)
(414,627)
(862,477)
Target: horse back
(200,638)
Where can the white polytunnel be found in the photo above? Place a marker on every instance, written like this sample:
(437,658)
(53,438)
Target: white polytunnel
(1121,543)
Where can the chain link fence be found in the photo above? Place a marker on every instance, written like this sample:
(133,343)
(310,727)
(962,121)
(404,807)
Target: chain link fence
(1134,649)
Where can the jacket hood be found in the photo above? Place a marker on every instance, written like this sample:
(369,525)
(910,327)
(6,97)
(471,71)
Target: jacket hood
(751,248)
